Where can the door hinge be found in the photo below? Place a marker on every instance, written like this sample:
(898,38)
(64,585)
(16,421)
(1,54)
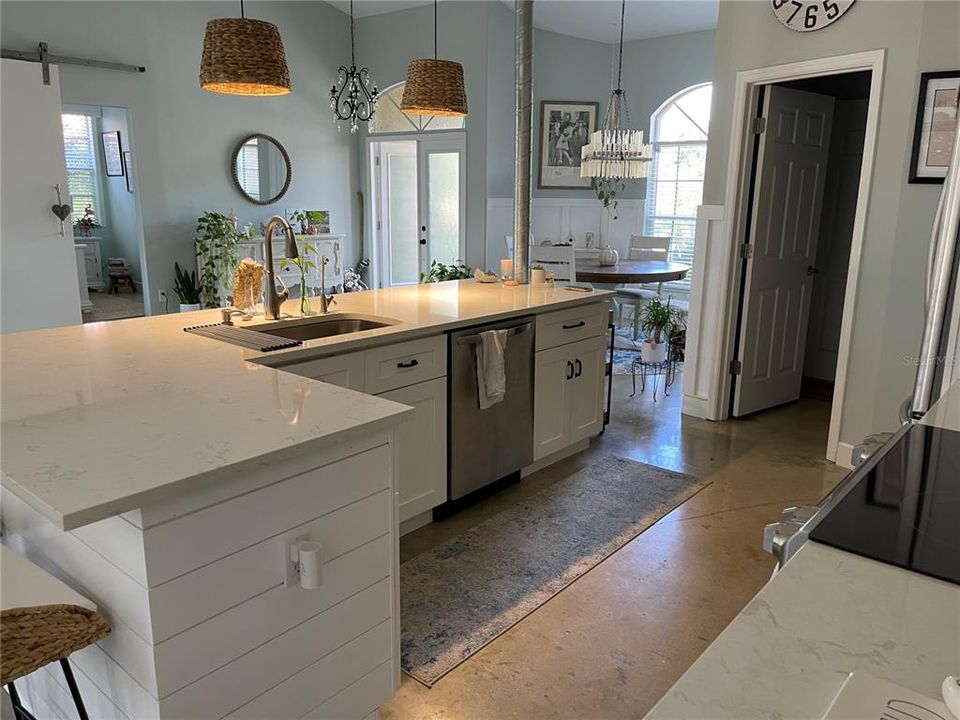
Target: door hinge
(746,251)
(759,125)
(378,224)
(376,160)
(736,367)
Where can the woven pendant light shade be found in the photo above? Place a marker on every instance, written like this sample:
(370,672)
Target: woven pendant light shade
(434,87)
(243,57)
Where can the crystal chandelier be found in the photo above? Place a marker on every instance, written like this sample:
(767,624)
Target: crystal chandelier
(351,97)
(616,152)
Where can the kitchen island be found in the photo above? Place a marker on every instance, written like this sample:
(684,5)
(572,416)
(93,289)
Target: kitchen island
(164,476)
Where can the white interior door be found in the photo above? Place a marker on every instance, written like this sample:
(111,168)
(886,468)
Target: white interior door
(38,268)
(443,183)
(787,204)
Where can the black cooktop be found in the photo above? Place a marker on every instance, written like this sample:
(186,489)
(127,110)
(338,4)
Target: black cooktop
(906,510)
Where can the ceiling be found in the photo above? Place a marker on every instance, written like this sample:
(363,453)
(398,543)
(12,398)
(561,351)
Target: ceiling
(597,20)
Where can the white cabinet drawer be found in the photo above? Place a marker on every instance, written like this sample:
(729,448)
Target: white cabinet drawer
(341,370)
(396,366)
(567,326)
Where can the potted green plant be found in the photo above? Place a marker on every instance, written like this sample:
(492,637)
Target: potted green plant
(300,216)
(538,275)
(187,288)
(87,223)
(216,244)
(440,272)
(657,320)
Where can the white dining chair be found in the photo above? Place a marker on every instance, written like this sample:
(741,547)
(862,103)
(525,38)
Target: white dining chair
(558,259)
(642,247)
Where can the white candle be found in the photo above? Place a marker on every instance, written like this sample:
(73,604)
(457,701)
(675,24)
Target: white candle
(506,268)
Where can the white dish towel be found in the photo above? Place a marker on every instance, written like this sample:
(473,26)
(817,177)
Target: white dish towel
(491,376)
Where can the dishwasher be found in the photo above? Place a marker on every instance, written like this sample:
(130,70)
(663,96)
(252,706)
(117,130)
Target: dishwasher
(488,446)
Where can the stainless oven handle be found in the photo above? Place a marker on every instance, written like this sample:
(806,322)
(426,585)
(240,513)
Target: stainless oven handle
(474,339)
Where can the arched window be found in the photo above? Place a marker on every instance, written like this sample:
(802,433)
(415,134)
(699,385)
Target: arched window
(678,131)
(390,119)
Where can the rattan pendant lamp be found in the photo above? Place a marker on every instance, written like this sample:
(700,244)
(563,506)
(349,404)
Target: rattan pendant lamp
(242,56)
(434,86)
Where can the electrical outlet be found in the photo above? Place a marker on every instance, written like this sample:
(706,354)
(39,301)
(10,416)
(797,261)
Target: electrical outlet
(162,295)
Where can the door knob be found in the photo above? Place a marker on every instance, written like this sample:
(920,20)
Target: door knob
(811,270)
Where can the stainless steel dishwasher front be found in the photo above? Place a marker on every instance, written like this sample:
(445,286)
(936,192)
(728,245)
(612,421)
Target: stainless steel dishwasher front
(488,445)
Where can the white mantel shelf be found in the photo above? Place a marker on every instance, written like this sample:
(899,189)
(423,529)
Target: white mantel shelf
(103,418)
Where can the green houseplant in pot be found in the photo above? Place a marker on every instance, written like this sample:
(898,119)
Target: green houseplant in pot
(216,244)
(657,320)
(187,288)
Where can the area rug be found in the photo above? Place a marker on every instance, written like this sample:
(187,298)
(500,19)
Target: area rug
(462,594)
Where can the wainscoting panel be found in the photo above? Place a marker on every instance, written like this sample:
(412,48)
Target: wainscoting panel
(701,375)
(560,218)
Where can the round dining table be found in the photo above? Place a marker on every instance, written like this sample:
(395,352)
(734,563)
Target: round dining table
(630,271)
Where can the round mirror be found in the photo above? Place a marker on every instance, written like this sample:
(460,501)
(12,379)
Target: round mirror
(261,169)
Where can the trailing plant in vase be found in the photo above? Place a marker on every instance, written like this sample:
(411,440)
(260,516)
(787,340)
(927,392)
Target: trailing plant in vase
(186,287)
(305,264)
(440,272)
(217,255)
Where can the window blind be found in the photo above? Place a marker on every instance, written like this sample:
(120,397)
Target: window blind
(80,155)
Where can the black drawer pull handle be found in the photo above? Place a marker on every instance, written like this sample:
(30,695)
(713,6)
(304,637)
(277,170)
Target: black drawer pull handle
(569,370)
(412,363)
(575,325)
(579,371)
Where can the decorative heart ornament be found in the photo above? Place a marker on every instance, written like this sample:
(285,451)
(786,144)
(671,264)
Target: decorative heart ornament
(61,211)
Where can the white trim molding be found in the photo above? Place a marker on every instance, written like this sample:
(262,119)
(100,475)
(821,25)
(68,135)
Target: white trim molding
(736,198)
(560,218)
(701,383)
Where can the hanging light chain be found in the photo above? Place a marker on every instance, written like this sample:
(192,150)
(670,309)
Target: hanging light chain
(353,96)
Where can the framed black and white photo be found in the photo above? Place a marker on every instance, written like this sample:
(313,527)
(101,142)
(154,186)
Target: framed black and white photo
(128,169)
(112,155)
(935,126)
(565,127)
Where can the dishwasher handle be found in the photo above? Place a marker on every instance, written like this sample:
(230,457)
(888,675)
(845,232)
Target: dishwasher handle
(474,339)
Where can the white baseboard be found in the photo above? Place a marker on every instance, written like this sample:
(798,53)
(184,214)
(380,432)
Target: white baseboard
(843,455)
(697,407)
(416,522)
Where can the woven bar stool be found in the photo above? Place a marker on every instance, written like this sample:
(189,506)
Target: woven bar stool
(41,621)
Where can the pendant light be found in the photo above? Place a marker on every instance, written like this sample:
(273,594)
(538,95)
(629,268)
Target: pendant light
(351,96)
(242,56)
(434,87)
(615,151)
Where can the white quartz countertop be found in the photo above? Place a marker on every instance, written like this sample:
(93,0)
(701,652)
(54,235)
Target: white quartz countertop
(825,614)
(103,418)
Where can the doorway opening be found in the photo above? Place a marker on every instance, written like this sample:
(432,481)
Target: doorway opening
(798,242)
(418,191)
(102,189)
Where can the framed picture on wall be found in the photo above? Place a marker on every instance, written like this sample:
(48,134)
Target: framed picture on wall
(565,127)
(128,169)
(935,126)
(113,159)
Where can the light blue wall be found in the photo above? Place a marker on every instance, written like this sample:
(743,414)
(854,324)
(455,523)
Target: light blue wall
(121,205)
(481,36)
(183,135)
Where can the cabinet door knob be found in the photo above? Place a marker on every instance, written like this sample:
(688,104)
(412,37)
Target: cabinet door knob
(579,371)
(569,370)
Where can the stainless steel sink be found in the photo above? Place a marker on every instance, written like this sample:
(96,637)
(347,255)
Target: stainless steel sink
(324,326)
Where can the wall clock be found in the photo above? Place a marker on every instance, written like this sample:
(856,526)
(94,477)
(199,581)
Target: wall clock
(809,15)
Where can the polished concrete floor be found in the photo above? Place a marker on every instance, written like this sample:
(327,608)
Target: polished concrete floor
(611,644)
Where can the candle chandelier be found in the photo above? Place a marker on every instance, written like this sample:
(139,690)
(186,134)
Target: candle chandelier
(615,151)
(353,96)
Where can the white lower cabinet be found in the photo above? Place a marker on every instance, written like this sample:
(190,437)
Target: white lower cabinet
(568,395)
(422,444)
(422,440)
